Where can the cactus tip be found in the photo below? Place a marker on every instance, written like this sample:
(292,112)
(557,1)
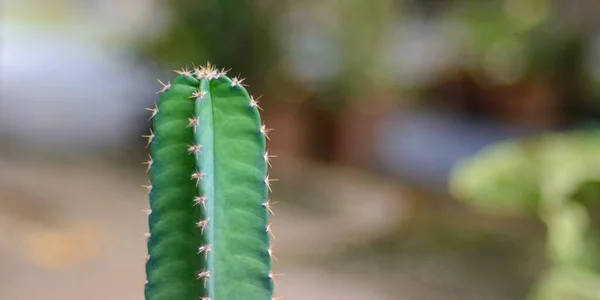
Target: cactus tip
(198,72)
(209,72)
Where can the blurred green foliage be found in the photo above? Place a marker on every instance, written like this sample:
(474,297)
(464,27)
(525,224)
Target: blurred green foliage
(558,176)
(225,32)
(510,39)
(501,179)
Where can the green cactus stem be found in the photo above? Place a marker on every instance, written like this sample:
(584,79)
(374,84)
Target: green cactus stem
(209,233)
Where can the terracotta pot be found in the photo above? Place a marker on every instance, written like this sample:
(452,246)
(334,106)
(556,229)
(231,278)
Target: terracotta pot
(357,128)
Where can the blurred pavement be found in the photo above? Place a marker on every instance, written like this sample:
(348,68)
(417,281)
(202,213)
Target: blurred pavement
(74,230)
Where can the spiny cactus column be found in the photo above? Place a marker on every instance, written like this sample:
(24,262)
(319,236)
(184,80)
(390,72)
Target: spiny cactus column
(209,233)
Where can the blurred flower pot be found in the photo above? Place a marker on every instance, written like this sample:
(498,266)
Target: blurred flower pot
(357,128)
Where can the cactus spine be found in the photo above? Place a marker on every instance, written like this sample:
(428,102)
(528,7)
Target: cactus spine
(209,234)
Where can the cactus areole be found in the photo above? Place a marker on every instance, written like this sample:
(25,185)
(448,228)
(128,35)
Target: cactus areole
(209,235)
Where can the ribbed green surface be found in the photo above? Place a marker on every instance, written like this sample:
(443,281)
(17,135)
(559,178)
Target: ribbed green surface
(233,170)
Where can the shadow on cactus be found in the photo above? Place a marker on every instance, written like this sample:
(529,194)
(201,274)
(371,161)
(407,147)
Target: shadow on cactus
(557,176)
(209,231)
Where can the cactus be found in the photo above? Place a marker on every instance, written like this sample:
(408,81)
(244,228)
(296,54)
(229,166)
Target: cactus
(209,232)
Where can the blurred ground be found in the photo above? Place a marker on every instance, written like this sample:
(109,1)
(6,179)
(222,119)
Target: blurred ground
(73,229)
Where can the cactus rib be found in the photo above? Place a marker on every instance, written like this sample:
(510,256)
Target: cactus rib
(209,230)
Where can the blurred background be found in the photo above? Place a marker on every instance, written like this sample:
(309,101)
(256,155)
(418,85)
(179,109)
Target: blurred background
(374,104)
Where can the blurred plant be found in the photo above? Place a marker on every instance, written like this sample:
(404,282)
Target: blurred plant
(363,34)
(510,39)
(226,32)
(557,176)
(209,234)
(337,49)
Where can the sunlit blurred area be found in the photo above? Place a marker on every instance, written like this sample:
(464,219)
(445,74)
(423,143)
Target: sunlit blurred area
(426,149)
